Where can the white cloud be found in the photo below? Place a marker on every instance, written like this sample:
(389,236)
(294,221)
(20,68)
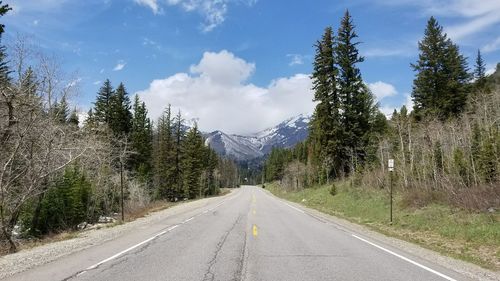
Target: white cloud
(388,52)
(490,68)
(223,68)
(35,22)
(473,26)
(492,46)
(213,11)
(388,110)
(97,82)
(382,90)
(152,4)
(74,82)
(216,92)
(474,15)
(101,71)
(120,65)
(295,59)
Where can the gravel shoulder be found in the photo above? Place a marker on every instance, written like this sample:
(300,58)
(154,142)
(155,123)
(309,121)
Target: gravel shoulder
(40,255)
(468,269)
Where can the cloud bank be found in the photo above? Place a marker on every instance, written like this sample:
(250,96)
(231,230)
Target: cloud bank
(217,92)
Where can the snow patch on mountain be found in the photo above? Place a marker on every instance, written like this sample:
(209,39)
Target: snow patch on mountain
(286,134)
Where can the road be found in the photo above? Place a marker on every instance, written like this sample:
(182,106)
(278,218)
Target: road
(247,235)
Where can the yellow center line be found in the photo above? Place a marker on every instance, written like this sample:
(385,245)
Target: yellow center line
(254,230)
(253,212)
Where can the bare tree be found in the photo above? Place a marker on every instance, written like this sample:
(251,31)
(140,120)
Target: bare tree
(33,146)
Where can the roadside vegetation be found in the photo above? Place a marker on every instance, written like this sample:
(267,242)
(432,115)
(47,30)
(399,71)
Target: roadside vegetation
(58,172)
(446,150)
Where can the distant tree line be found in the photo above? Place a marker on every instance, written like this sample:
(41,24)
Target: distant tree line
(56,173)
(449,144)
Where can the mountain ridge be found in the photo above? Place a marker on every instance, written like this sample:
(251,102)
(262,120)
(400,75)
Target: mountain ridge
(248,147)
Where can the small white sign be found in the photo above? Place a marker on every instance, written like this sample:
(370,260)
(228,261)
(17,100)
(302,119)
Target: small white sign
(391,165)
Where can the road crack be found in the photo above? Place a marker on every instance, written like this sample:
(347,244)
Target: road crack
(209,274)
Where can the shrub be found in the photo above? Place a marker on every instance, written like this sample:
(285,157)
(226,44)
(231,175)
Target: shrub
(333,190)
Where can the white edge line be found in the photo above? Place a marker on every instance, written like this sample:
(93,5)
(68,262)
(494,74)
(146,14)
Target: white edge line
(406,259)
(146,241)
(130,249)
(297,209)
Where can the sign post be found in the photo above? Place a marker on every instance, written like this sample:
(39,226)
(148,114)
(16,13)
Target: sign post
(391,171)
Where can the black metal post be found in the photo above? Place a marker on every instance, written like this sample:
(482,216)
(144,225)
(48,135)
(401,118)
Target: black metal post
(391,172)
(121,185)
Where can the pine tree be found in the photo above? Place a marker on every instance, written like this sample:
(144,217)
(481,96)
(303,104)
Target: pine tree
(357,101)
(4,8)
(164,158)
(73,118)
(120,121)
(91,120)
(480,71)
(179,135)
(439,88)
(325,127)
(102,106)
(192,163)
(210,164)
(29,83)
(65,204)
(140,138)
(60,110)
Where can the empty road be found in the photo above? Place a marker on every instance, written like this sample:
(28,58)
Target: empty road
(247,235)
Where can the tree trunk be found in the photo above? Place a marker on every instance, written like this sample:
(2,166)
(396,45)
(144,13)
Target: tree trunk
(36,216)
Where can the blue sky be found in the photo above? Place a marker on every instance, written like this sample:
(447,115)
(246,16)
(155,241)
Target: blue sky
(240,65)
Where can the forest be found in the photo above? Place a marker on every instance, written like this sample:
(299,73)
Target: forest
(57,172)
(446,150)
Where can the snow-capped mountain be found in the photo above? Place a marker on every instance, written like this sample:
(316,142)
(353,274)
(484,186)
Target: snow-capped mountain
(242,148)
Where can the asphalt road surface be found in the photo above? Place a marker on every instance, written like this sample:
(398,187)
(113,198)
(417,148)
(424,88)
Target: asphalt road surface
(248,235)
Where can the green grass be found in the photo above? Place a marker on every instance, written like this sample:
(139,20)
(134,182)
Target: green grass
(474,237)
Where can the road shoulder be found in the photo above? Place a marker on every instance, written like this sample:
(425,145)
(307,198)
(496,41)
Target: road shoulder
(467,269)
(34,257)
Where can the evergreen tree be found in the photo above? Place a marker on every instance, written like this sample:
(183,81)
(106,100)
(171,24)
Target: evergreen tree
(60,111)
(325,128)
(91,120)
(164,158)
(140,138)
(65,204)
(29,83)
(102,106)
(120,121)
(179,135)
(357,101)
(480,71)
(439,88)
(73,118)
(192,163)
(4,8)
(211,163)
